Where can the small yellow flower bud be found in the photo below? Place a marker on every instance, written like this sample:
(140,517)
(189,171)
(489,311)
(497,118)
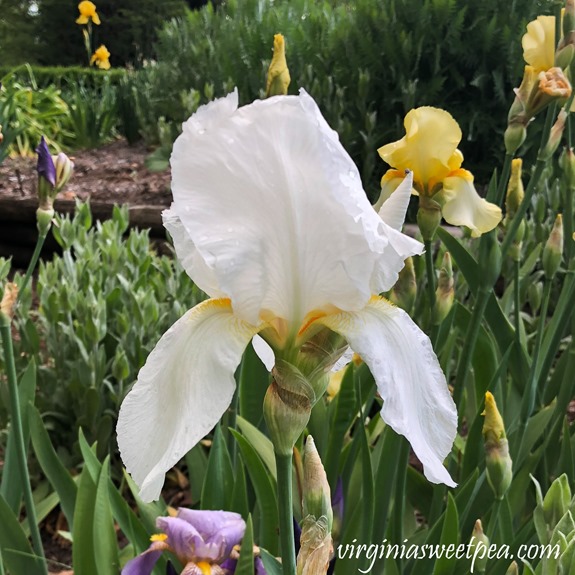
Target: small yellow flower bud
(445,292)
(515,190)
(513,569)
(553,250)
(278,74)
(499,466)
(9,298)
(404,291)
(479,546)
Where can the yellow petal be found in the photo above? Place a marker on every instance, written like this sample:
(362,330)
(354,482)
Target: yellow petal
(462,205)
(429,148)
(96,18)
(539,43)
(82,19)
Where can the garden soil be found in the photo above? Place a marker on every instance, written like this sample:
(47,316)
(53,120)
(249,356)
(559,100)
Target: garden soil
(114,173)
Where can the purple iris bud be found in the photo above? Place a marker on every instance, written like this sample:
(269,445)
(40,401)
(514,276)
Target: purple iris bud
(45,166)
(195,537)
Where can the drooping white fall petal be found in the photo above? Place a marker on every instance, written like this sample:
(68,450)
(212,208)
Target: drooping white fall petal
(275,207)
(182,391)
(416,401)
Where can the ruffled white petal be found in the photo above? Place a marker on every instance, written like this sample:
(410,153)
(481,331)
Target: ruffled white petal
(189,257)
(182,391)
(462,205)
(275,207)
(416,401)
(394,208)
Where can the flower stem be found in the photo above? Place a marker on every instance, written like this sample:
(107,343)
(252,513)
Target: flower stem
(430,269)
(284,473)
(492,526)
(33,262)
(517,306)
(19,436)
(505,171)
(466,356)
(531,389)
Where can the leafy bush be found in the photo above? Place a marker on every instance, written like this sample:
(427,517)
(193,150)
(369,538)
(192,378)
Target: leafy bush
(63,76)
(28,113)
(365,63)
(92,115)
(102,306)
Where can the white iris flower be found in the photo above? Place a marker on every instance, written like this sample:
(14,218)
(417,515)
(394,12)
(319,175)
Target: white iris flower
(270,219)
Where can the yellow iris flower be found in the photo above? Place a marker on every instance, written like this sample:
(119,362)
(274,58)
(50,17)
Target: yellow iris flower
(429,151)
(101,57)
(87,12)
(539,43)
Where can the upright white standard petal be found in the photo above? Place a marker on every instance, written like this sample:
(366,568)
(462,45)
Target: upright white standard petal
(394,208)
(416,401)
(275,207)
(182,391)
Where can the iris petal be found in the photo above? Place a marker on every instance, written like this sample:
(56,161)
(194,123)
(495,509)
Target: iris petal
(304,235)
(182,391)
(416,401)
(462,205)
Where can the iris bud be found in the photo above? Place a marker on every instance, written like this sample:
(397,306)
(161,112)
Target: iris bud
(553,250)
(404,291)
(278,80)
(479,545)
(428,217)
(315,542)
(499,465)
(445,292)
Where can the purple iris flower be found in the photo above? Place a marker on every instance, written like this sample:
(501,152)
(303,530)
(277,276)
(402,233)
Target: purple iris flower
(202,541)
(45,166)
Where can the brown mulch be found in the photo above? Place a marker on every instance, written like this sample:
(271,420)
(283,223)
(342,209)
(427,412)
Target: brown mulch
(113,173)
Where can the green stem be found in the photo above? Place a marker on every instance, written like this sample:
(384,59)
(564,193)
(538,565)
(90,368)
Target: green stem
(505,171)
(516,288)
(532,381)
(19,436)
(284,473)
(430,269)
(466,357)
(492,527)
(33,262)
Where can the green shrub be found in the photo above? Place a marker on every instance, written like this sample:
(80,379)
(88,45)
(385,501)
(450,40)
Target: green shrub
(63,76)
(102,306)
(28,112)
(366,63)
